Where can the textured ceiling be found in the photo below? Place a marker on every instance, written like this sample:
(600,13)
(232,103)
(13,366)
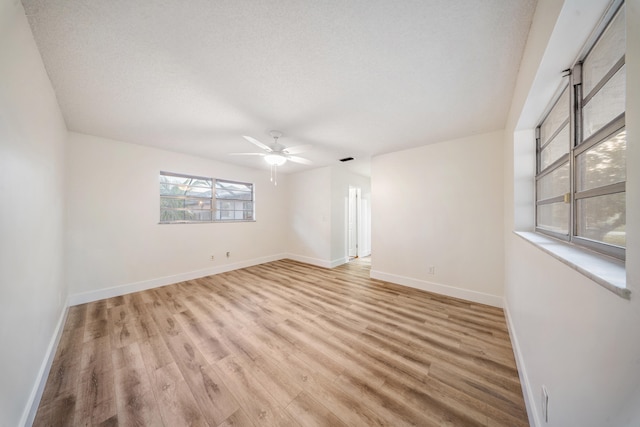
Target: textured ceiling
(357,78)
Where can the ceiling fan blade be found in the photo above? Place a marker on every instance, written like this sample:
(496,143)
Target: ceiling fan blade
(257,143)
(300,160)
(248,154)
(297,149)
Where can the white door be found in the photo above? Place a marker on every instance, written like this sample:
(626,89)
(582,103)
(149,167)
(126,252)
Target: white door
(353,222)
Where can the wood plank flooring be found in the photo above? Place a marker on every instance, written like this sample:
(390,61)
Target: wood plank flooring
(284,344)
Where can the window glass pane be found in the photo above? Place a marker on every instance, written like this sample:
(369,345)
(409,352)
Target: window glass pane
(224,215)
(171,203)
(554,184)
(224,205)
(175,179)
(198,203)
(554,217)
(557,148)
(197,182)
(234,190)
(186,180)
(233,194)
(170,215)
(199,215)
(607,104)
(558,115)
(603,164)
(603,219)
(185,214)
(609,49)
(228,185)
(184,190)
(185,198)
(171,190)
(243,206)
(198,192)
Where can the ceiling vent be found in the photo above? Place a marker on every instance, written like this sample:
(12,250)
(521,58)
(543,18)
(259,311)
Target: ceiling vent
(346,159)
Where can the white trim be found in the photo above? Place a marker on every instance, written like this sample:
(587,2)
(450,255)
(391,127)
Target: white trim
(527,393)
(608,272)
(318,262)
(339,261)
(31,408)
(128,288)
(313,261)
(466,294)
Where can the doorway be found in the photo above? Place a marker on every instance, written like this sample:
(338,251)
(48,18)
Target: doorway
(354,221)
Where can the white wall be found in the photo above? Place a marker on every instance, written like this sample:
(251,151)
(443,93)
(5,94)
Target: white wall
(578,339)
(32,289)
(440,205)
(114,238)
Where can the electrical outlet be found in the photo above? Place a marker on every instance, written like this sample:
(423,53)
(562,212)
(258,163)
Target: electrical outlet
(432,269)
(228,254)
(213,257)
(545,404)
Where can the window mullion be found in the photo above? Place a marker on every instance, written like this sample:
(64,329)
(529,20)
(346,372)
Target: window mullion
(618,187)
(606,131)
(555,199)
(553,166)
(575,117)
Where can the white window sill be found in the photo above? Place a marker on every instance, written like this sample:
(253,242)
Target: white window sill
(207,222)
(607,272)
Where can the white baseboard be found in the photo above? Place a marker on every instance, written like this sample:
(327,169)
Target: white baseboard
(143,285)
(339,261)
(31,409)
(527,393)
(317,261)
(309,260)
(473,296)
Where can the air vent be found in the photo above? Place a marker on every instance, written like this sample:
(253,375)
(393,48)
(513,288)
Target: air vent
(346,159)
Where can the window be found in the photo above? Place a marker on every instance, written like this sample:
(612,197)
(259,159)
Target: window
(581,148)
(234,201)
(186,199)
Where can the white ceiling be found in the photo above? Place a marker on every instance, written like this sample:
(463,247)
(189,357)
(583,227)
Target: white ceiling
(352,78)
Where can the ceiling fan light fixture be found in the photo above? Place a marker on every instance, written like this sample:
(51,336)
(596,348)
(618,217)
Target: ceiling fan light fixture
(275,159)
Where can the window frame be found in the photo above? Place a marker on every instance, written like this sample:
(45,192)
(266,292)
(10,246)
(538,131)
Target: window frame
(579,145)
(213,200)
(555,165)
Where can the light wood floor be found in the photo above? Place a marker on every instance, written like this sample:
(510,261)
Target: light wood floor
(284,343)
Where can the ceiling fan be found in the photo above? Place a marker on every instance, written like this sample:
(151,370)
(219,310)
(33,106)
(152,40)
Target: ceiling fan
(276,154)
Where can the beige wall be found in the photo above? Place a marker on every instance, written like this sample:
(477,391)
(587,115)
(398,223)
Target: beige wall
(114,238)
(33,292)
(440,205)
(318,214)
(309,215)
